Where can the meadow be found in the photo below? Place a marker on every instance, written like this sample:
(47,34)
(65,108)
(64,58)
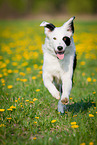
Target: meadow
(28,113)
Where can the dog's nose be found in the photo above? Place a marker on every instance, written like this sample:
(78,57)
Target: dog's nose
(59,48)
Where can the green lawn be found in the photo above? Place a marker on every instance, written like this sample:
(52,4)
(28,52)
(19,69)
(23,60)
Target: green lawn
(28,113)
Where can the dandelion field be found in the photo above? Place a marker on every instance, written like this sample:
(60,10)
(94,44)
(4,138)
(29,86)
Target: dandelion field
(28,113)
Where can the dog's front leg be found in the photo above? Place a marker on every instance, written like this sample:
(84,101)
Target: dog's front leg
(51,87)
(66,88)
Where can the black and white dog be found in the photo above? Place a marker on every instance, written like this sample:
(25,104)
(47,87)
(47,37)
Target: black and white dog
(59,59)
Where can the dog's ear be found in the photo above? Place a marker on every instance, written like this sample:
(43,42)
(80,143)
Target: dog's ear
(48,27)
(69,25)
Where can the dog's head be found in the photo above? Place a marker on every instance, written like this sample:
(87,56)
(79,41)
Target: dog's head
(59,37)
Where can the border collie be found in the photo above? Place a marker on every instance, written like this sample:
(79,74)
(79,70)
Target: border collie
(59,59)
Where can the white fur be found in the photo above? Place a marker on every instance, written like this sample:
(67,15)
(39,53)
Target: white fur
(60,71)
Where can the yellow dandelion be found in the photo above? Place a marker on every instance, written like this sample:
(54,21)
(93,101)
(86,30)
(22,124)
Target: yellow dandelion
(40,72)
(91,115)
(82,63)
(53,121)
(24,64)
(5,74)
(94,80)
(89,79)
(9,118)
(27,100)
(94,92)
(2,80)
(71,98)
(31,102)
(28,69)
(75,126)
(16,100)
(35,66)
(14,63)
(22,74)
(40,67)
(37,90)
(37,117)
(4,70)
(2,110)
(2,125)
(73,123)
(10,71)
(1,75)
(24,80)
(10,87)
(3,65)
(13,107)
(34,99)
(17,79)
(16,71)
(83,143)
(9,109)
(34,138)
(7,61)
(33,78)
(35,122)
(91,143)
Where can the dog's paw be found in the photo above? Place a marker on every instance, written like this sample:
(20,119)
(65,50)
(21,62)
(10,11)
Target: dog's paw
(65,101)
(61,107)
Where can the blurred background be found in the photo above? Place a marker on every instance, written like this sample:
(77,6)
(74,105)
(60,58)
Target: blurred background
(33,8)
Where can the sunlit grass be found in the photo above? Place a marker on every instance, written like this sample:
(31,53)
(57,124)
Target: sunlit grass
(28,112)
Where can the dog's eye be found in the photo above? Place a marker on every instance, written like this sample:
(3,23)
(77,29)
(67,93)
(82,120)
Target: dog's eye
(66,40)
(54,38)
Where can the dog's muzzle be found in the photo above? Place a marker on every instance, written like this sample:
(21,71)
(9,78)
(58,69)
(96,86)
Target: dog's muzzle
(60,54)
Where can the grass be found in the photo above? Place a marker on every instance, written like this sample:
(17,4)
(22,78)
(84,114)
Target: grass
(28,112)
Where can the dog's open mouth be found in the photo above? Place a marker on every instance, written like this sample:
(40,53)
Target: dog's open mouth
(60,54)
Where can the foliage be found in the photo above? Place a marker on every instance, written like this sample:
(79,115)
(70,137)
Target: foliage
(28,113)
(48,6)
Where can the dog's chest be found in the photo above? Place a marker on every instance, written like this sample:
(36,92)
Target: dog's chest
(53,67)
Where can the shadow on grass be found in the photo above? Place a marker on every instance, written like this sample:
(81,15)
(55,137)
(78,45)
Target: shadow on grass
(80,106)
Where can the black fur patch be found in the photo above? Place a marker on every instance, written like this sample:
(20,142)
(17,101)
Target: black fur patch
(72,26)
(74,65)
(75,62)
(66,40)
(50,26)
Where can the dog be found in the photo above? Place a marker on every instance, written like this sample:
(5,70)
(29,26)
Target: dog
(59,57)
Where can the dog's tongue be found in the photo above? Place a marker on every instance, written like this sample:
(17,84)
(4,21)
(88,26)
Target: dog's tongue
(60,56)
